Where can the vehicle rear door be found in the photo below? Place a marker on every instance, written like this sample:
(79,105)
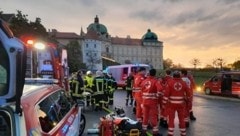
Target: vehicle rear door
(236,84)
(215,84)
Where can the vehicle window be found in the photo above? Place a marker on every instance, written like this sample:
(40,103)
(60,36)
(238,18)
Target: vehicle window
(52,109)
(134,69)
(216,79)
(236,78)
(4,71)
(125,70)
(5,124)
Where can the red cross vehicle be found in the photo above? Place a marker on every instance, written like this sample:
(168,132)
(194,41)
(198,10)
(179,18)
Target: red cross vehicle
(32,107)
(223,83)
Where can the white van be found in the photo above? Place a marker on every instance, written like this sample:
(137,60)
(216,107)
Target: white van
(121,72)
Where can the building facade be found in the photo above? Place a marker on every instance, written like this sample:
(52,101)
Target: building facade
(97,44)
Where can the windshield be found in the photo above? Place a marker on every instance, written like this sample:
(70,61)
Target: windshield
(4,71)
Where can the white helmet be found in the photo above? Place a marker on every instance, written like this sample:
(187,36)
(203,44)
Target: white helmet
(89,72)
(98,73)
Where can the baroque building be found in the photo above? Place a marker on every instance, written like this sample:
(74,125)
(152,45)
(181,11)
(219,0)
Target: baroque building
(97,44)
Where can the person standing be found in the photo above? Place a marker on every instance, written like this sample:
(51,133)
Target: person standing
(151,91)
(112,84)
(98,90)
(129,86)
(88,84)
(76,87)
(164,111)
(177,95)
(189,113)
(137,94)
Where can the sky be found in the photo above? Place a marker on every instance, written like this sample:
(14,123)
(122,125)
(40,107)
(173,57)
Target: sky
(202,29)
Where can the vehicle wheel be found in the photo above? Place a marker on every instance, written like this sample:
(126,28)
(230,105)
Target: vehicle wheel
(207,91)
(82,124)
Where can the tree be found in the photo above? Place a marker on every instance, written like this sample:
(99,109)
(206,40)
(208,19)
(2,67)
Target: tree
(219,63)
(21,26)
(236,65)
(74,57)
(92,59)
(195,62)
(167,63)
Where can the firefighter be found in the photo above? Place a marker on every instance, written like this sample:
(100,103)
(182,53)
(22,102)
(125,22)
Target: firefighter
(98,90)
(164,111)
(111,84)
(189,112)
(76,87)
(137,94)
(88,84)
(177,95)
(151,91)
(129,86)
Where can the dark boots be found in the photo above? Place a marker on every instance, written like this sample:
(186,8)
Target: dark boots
(163,123)
(191,116)
(126,102)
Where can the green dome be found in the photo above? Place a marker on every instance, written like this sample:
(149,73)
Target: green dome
(150,36)
(96,26)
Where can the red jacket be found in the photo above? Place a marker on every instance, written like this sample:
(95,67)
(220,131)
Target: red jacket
(177,93)
(137,85)
(151,90)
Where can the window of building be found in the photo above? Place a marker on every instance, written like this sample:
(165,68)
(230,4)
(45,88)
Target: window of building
(95,45)
(86,54)
(86,45)
(107,49)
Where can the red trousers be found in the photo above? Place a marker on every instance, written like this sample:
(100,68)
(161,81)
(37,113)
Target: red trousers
(138,109)
(150,113)
(188,109)
(180,109)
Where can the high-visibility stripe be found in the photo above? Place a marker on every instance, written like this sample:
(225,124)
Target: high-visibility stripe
(98,81)
(149,97)
(176,97)
(165,98)
(171,129)
(177,102)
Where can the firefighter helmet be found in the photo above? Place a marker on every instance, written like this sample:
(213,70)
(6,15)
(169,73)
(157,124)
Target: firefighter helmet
(89,72)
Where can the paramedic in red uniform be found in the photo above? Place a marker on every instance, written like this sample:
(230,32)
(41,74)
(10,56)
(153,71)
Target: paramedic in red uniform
(151,91)
(164,111)
(193,87)
(189,113)
(137,94)
(177,95)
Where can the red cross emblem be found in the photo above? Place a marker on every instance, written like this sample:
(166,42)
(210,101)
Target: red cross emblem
(177,86)
(148,84)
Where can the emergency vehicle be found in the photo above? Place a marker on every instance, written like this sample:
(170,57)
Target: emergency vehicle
(224,83)
(46,60)
(121,72)
(32,107)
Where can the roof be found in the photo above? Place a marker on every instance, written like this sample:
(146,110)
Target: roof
(126,41)
(96,26)
(150,36)
(91,34)
(64,35)
(7,17)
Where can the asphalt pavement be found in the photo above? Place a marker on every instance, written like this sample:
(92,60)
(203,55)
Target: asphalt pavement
(204,106)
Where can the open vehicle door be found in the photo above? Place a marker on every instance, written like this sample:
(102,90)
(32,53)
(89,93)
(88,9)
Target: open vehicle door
(12,66)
